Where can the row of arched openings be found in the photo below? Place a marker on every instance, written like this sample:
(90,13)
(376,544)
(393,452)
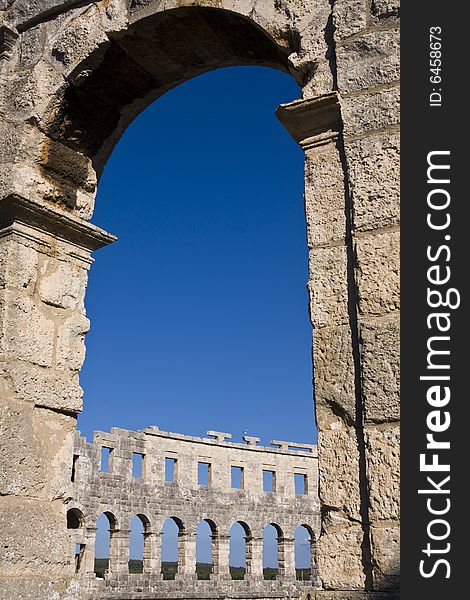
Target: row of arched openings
(207,539)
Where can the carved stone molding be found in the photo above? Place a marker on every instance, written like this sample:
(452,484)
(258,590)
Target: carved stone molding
(15,209)
(312,122)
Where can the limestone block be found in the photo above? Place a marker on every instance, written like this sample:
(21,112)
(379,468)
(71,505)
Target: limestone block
(378,273)
(20,520)
(70,350)
(370,111)
(334,376)
(66,165)
(339,471)
(385,8)
(55,389)
(28,587)
(383,472)
(25,10)
(324,196)
(349,17)
(385,542)
(62,284)
(374,164)
(38,463)
(80,38)
(370,60)
(16,423)
(18,264)
(380,358)
(340,559)
(27,331)
(29,94)
(328,286)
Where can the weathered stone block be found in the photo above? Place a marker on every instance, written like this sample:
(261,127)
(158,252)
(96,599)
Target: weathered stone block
(380,358)
(334,376)
(367,112)
(383,472)
(340,558)
(70,349)
(51,388)
(349,17)
(43,445)
(385,8)
(62,284)
(339,477)
(80,39)
(371,60)
(374,164)
(385,541)
(20,519)
(324,196)
(27,331)
(18,264)
(378,273)
(328,286)
(25,10)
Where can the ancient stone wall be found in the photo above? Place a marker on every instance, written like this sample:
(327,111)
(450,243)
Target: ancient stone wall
(73,74)
(121,495)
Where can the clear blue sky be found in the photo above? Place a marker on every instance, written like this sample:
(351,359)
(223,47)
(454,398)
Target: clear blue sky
(199,312)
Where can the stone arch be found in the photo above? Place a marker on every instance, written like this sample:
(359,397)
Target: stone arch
(107,564)
(279,551)
(125,73)
(213,546)
(49,174)
(179,547)
(312,541)
(143,523)
(75,518)
(245,529)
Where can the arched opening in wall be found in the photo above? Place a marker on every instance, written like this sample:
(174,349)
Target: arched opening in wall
(272,535)
(75,525)
(206,548)
(137,543)
(74,518)
(305,553)
(205,194)
(239,558)
(105,526)
(172,548)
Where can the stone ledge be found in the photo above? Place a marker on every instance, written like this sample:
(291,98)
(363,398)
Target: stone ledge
(14,209)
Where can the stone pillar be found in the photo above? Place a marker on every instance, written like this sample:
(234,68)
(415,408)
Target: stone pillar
(254,558)
(221,557)
(88,568)
(44,262)
(186,556)
(316,124)
(119,553)
(286,556)
(314,561)
(152,554)
(350,139)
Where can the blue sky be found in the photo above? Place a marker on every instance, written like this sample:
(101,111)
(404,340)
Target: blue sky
(199,312)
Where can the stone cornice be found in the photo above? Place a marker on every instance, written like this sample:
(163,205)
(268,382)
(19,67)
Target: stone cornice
(15,209)
(312,122)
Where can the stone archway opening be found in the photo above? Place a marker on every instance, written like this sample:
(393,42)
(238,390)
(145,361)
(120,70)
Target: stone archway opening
(172,547)
(106,526)
(240,550)
(72,102)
